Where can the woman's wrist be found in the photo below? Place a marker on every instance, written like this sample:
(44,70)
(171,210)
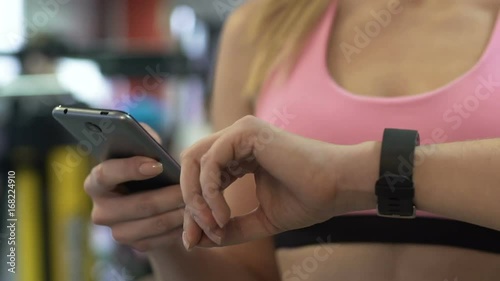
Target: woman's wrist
(358,169)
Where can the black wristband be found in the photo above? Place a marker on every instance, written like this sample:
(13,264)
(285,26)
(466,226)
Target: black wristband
(394,189)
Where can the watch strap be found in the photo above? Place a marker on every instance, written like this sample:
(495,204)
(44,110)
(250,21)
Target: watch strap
(395,189)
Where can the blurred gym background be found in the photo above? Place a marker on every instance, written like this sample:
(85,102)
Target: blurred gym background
(151,58)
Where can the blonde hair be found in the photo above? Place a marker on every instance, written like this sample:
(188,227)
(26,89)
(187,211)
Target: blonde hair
(278,32)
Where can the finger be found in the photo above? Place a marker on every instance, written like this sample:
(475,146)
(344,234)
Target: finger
(137,206)
(190,171)
(206,242)
(249,227)
(107,175)
(211,178)
(191,233)
(152,132)
(192,193)
(215,168)
(205,220)
(195,204)
(199,221)
(157,243)
(132,231)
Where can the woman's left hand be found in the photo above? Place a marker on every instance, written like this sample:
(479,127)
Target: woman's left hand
(299,181)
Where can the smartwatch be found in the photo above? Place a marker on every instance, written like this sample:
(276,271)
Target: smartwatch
(394,188)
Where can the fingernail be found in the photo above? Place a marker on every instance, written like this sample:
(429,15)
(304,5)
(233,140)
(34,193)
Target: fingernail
(217,235)
(217,240)
(151,168)
(219,222)
(185,241)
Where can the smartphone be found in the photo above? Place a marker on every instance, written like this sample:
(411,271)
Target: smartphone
(112,134)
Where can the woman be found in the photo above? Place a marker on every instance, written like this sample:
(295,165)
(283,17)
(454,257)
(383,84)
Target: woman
(338,72)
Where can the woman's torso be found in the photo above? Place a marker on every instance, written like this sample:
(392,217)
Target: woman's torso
(425,67)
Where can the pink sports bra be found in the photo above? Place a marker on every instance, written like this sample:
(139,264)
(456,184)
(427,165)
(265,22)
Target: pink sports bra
(310,103)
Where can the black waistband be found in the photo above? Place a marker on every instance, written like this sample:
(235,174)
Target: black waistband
(373,229)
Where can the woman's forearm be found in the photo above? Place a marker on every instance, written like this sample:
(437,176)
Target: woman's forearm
(301,182)
(459,180)
(178,264)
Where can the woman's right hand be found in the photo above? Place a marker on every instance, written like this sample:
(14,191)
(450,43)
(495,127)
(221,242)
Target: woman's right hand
(145,220)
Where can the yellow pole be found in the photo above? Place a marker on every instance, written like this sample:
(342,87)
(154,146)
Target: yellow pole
(69,214)
(29,225)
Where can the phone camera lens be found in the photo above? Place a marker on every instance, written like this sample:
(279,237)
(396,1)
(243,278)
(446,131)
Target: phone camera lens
(93,127)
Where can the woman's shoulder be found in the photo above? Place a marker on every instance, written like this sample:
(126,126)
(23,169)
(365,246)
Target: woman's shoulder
(241,16)
(235,40)
(490,4)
